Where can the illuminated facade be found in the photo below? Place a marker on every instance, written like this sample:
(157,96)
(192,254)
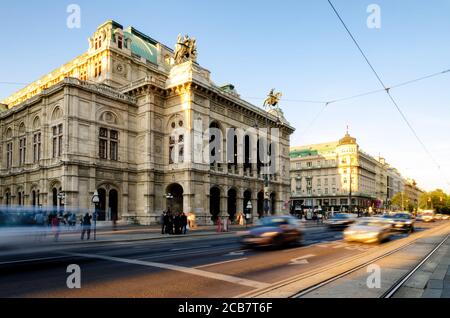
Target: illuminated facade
(121,119)
(325,176)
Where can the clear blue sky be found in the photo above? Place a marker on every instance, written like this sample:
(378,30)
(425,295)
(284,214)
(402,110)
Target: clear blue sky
(298,47)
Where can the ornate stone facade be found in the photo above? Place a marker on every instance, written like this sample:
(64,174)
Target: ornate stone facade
(115,118)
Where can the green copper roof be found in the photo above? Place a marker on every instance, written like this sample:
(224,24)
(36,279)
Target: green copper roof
(303,153)
(142,45)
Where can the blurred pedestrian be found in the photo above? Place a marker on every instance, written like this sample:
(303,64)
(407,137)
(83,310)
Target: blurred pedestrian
(184,223)
(72,220)
(55,227)
(86,226)
(162,221)
(170,224)
(177,223)
(166,223)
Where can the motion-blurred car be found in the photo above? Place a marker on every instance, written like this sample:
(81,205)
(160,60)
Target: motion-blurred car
(445,217)
(273,231)
(401,221)
(426,216)
(341,220)
(438,217)
(368,230)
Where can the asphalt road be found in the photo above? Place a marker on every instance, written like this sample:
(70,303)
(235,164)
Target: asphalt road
(213,266)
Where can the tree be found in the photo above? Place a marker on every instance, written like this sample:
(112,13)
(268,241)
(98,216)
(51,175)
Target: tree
(437,200)
(402,201)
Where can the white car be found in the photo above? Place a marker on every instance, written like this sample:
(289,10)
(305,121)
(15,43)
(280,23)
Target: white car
(369,230)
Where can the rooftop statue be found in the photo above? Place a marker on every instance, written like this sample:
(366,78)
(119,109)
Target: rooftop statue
(272,99)
(185,50)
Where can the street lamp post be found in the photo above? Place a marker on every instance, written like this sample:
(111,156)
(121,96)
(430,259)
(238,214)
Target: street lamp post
(169,197)
(95,201)
(62,197)
(248,214)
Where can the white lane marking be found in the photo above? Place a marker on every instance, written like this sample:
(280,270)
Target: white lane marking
(236,253)
(224,262)
(198,252)
(189,248)
(302,260)
(187,270)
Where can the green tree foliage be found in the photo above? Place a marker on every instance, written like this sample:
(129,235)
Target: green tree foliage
(402,201)
(437,200)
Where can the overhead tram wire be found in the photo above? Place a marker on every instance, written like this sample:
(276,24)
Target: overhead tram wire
(386,88)
(334,101)
(376,91)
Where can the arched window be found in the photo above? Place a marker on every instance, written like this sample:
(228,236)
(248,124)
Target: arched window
(7,197)
(22,144)
(9,148)
(215,144)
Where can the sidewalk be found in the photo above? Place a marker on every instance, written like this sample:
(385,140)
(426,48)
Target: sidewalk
(14,239)
(432,280)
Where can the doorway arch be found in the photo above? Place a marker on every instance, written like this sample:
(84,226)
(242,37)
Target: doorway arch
(260,204)
(114,204)
(214,202)
(273,197)
(175,198)
(232,196)
(101,208)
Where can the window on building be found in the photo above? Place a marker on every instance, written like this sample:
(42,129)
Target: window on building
(119,41)
(8,198)
(36,147)
(98,68)
(9,154)
(103,143)
(97,42)
(22,150)
(109,138)
(83,74)
(309,164)
(114,145)
(176,149)
(326,190)
(309,183)
(57,140)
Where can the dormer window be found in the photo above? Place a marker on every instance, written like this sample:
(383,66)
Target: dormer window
(97,42)
(120,42)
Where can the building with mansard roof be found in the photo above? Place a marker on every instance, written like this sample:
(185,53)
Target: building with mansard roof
(128,119)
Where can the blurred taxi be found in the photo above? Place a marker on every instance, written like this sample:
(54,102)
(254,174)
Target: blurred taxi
(368,230)
(273,231)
